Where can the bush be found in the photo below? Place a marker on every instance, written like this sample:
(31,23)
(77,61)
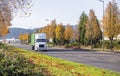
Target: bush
(2,45)
(117,47)
(16,65)
(116,44)
(107,44)
(75,44)
(119,42)
(67,45)
(97,46)
(51,44)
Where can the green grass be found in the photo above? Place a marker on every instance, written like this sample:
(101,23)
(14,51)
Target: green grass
(60,67)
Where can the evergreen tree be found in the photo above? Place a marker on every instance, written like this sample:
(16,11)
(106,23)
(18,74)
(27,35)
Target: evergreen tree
(81,28)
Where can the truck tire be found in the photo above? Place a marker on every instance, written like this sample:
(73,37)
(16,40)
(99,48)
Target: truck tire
(36,50)
(33,47)
(44,50)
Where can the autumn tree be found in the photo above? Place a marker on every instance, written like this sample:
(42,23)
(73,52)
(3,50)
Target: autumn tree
(76,34)
(24,37)
(4,30)
(87,31)
(112,21)
(20,36)
(52,30)
(93,28)
(68,33)
(5,18)
(59,32)
(49,30)
(81,28)
(3,27)
(8,9)
(45,30)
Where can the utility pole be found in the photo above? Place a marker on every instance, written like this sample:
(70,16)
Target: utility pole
(103,26)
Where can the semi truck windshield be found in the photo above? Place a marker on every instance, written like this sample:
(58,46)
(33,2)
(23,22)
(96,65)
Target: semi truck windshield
(41,40)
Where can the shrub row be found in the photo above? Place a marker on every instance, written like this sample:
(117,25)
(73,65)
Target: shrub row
(116,44)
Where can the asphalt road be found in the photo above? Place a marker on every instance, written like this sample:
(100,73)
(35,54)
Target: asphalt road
(106,60)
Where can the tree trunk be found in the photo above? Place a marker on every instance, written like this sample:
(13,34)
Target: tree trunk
(91,45)
(111,44)
(79,43)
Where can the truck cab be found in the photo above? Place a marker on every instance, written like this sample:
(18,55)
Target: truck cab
(39,42)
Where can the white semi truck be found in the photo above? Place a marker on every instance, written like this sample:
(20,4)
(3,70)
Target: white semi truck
(39,41)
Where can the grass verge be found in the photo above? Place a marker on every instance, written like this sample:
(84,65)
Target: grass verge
(49,66)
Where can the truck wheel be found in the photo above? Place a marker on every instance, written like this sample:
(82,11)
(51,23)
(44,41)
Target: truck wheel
(36,50)
(33,47)
(44,50)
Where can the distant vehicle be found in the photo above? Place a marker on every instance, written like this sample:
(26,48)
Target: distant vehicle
(39,41)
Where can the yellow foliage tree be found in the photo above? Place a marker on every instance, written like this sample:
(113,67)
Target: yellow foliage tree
(5,31)
(87,29)
(94,26)
(20,36)
(24,37)
(52,30)
(45,30)
(68,33)
(60,33)
(112,21)
(93,32)
(9,8)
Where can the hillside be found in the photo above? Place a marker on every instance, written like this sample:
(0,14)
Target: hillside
(14,32)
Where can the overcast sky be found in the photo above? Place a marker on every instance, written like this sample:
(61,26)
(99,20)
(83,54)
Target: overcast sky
(64,11)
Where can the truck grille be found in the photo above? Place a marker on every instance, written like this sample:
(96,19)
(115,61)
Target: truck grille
(41,45)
